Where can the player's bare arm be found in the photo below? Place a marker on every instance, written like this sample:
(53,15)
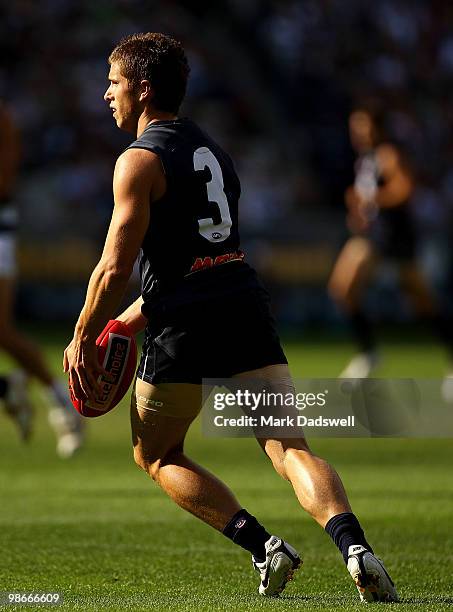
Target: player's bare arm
(133,316)
(397,184)
(357,218)
(134,175)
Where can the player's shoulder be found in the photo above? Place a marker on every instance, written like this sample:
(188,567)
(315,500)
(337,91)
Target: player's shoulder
(136,158)
(137,164)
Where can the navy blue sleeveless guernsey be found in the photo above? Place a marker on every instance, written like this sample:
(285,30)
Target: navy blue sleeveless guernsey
(191,252)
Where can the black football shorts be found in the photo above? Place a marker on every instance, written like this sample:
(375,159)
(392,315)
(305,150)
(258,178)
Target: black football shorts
(214,338)
(393,234)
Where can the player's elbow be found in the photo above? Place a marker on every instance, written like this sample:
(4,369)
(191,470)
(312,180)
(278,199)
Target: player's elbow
(114,272)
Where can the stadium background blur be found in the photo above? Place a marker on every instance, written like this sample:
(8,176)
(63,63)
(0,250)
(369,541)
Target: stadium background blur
(273,82)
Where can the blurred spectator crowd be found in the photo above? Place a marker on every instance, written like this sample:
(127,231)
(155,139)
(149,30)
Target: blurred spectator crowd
(273,81)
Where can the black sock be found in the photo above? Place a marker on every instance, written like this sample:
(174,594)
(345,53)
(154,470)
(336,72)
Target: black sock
(3,386)
(243,529)
(362,331)
(345,531)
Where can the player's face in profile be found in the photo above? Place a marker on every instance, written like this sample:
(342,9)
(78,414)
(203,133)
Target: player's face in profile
(122,100)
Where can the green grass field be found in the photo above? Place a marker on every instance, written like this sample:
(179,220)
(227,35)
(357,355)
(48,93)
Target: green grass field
(98,531)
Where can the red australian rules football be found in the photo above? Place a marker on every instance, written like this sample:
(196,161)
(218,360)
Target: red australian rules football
(117,352)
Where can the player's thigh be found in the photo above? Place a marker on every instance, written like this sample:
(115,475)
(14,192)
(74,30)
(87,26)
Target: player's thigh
(276,379)
(160,417)
(352,268)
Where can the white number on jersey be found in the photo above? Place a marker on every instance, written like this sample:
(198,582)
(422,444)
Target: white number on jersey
(214,232)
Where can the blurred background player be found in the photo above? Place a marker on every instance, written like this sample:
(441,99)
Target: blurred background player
(382,227)
(13,388)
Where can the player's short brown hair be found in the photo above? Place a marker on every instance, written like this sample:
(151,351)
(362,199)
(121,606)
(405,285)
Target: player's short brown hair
(159,59)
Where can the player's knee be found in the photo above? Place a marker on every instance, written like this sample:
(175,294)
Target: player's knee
(144,461)
(153,469)
(152,463)
(147,464)
(345,298)
(338,291)
(138,458)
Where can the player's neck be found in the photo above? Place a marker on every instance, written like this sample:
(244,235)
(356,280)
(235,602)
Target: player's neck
(150,116)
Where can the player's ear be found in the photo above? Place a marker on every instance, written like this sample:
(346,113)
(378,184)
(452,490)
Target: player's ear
(146,91)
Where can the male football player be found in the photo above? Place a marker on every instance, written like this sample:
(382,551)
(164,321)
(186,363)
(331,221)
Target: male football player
(62,417)
(204,312)
(382,228)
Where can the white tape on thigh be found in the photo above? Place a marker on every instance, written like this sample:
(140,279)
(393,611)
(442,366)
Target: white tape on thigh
(179,400)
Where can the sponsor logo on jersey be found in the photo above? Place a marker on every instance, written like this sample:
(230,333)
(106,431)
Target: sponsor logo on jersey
(203,263)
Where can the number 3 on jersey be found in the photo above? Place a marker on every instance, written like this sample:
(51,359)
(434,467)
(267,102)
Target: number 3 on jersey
(214,232)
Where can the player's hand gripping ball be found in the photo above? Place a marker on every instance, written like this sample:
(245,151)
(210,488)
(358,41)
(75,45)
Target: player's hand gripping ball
(117,352)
